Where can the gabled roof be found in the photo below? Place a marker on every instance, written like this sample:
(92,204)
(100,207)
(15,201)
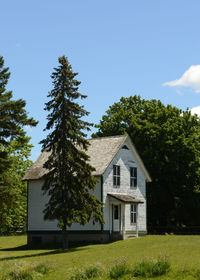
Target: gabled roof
(101,152)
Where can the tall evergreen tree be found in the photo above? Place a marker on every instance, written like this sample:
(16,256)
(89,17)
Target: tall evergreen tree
(13,117)
(69,181)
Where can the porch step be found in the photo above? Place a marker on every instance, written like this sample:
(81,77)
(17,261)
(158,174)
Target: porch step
(129,236)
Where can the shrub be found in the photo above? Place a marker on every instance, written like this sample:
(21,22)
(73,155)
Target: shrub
(42,268)
(197,274)
(77,275)
(89,273)
(24,272)
(21,275)
(160,267)
(92,272)
(142,269)
(151,268)
(119,269)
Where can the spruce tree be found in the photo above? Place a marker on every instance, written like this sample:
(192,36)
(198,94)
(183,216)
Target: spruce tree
(13,117)
(69,180)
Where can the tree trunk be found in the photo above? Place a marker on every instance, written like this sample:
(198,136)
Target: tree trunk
(65,240)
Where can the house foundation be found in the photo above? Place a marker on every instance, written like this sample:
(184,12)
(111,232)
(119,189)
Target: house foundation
(35,238)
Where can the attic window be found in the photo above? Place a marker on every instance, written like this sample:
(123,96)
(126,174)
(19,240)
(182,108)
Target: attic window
(125,147)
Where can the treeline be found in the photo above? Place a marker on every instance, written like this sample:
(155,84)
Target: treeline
(14,157)
(168,140)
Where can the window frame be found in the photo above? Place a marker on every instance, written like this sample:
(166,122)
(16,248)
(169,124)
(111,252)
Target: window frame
(116,176)
(133,177)
(133,213)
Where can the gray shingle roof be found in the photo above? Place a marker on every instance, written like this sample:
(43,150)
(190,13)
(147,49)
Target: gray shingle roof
(125,198)
(101,152)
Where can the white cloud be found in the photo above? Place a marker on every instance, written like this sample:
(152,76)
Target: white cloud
(195,110)
(191,78)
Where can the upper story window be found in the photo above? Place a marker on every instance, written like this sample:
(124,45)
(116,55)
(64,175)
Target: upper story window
(116,175)
(133,176)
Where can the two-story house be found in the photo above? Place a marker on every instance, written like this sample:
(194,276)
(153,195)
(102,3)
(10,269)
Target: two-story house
(121,187)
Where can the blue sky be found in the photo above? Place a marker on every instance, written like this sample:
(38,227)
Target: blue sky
(119,48)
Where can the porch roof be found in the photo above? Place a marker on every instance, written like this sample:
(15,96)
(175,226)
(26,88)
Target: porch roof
(128,199)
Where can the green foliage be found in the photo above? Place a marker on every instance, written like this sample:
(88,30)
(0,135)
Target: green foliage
(20,275)
(14,152)
(42,268)
(24,272)
(119,269)
(69,178)
(89,273)
(13,190)
(168,141)
(151,268)
(92,272)
(78,275)
(13,117)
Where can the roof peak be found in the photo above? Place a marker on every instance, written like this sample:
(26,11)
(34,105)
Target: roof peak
(113,136)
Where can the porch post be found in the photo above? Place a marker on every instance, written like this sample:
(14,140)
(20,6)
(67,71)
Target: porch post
(123,222)
(112,217)
(137,220)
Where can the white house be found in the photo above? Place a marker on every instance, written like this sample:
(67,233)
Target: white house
(121,187)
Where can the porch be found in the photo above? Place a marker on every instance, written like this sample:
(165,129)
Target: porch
(119,218)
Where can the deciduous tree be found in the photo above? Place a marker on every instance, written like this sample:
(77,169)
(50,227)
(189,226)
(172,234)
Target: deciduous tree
(13,192)
(168,140)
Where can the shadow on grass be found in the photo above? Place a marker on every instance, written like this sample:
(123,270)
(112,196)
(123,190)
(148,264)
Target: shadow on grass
(36,255)
(54,249)
(51,251)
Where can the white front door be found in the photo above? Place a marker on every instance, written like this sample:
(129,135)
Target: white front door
(116,218)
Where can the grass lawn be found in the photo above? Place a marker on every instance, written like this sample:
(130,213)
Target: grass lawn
(183,252)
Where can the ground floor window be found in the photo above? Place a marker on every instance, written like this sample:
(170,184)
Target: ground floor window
(116,212)
(133,214)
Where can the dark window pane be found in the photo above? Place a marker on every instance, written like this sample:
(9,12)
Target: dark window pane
(114,169)
(131,171)
(133,176)
(134,217)
(118,170)
(131,217)
(116,175)
(116,214)
(131,182)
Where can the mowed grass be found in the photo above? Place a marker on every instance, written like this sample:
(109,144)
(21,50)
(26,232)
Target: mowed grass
(183,253)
